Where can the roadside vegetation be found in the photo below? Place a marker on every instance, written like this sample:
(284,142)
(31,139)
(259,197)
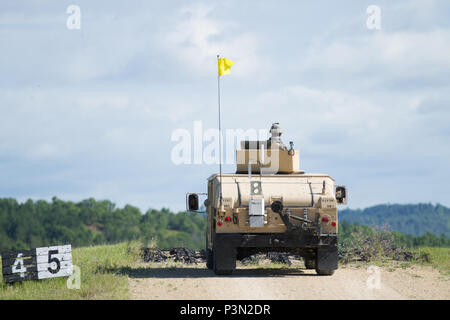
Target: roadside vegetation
(439,258)
(362,245)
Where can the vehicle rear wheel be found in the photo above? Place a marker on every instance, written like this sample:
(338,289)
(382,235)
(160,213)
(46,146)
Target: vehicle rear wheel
(209,255)
(224,257)
(218,269)
(209,259)
(326,260)
(324,272)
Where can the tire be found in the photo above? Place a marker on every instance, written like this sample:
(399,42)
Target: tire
(226,259)
(324,272)
(209,259)
(326,260)
(310,263)
(220,272)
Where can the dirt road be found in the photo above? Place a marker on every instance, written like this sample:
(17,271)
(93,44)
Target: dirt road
(197,282)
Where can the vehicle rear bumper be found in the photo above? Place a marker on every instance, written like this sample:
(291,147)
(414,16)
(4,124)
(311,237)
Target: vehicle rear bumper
(277,240)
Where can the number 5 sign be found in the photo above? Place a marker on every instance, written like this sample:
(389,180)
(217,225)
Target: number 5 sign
(36,264)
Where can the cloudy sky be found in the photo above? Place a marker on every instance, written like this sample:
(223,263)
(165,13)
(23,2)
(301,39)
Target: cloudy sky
(90,112)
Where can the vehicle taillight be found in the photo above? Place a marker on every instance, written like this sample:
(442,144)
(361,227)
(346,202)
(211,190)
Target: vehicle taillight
(324,219)
(228,219)
(333,224)
(219,223)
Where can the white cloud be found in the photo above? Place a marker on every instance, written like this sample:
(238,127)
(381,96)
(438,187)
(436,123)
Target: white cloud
(61,122)
(198,36)
(382,56)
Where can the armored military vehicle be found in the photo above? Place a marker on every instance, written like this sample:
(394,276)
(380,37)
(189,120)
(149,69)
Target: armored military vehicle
(268,205)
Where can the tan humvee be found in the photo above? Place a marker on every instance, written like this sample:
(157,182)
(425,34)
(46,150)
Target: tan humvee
(269,204)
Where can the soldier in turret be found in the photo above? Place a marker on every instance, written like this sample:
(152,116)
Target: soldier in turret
(275,139)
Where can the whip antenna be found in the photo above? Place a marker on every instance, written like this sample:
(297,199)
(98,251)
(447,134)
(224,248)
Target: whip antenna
(220,137)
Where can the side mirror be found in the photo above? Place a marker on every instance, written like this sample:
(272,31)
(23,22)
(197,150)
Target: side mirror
(341,195)
(193,202)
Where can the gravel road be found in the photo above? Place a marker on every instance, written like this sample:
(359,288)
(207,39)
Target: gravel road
(197,282)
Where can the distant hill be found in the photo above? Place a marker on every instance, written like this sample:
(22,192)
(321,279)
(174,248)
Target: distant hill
(414,219)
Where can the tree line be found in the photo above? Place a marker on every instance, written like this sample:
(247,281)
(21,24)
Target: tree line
(91,222)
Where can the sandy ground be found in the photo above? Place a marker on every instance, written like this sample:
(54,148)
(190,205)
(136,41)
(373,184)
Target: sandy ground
(197,282)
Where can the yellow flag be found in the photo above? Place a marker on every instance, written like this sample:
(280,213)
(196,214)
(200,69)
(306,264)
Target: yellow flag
(224,66)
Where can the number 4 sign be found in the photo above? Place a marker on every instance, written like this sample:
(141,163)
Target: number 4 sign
(39,263)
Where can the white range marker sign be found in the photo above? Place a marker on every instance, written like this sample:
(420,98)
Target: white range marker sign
(36,264)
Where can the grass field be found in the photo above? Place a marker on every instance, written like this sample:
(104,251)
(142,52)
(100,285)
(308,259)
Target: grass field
(102,276)
(439,258)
